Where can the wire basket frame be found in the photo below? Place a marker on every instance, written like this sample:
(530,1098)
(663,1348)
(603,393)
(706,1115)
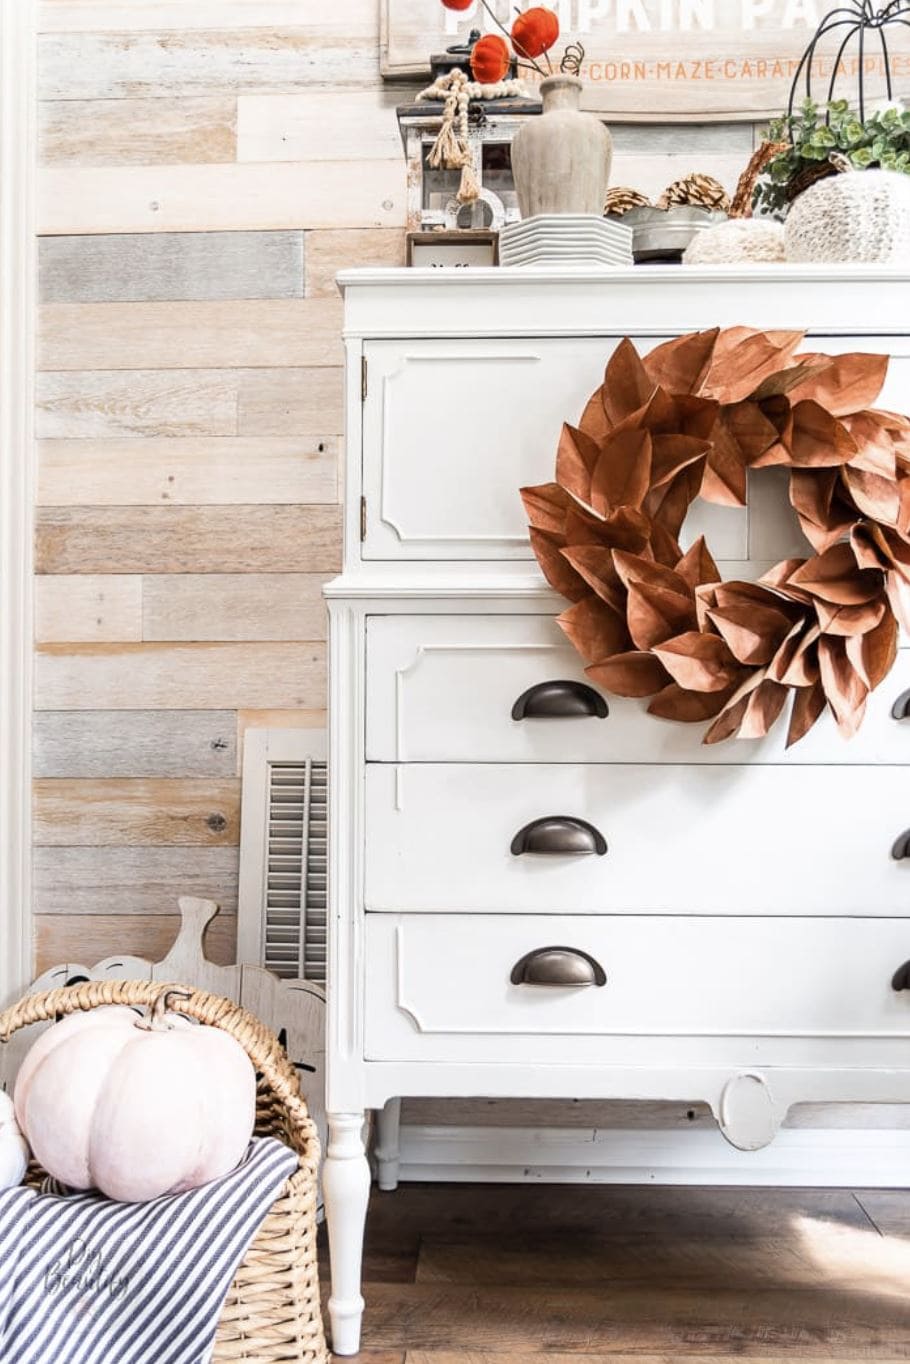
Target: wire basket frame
(859,21)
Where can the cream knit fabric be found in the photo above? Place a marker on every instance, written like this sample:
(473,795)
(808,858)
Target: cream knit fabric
(738,239)
(857,216)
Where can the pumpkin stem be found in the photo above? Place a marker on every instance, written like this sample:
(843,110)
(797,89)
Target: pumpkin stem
(156,1019)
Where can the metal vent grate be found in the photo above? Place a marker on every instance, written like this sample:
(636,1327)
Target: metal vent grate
(283,853)
(295,905)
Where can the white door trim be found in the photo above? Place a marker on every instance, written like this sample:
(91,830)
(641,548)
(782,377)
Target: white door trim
(17,332)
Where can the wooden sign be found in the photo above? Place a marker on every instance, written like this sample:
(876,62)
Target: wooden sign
(657,60)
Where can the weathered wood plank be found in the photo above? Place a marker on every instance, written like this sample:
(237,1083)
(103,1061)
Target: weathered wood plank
(137,132)
(135,743)
(131,880)
(342,16)
(155,403)
(682,140)
(160,266)
(93,937)
(320,125)
(208,198)
(150,811)
(268,606)
(102,405)
(88,608)
(188,539)
(327,252)
(249,676)
(231,470)
(186,62)
(178,336)
(532,1356)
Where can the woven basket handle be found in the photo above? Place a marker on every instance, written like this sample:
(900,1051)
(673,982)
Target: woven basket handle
(258,1041)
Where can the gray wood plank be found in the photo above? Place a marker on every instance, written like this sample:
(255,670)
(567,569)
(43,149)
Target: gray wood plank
(95,881)
(135,743)
(689,140)
(170,266)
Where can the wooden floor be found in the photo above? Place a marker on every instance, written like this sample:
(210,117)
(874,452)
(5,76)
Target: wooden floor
(575,1274)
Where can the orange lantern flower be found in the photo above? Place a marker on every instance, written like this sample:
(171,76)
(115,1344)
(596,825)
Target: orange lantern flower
(490,59)
(534,32)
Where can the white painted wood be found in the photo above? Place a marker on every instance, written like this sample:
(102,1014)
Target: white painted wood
(442,688)
(386,1152)
(319,125)
(17,329)
(701,839)
(799,989)
(56,16)
(851,1158)
(346,1186)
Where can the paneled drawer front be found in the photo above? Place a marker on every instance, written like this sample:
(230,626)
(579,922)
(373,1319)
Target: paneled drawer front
(452,430)
(694,840)
(441,986)
(443,688)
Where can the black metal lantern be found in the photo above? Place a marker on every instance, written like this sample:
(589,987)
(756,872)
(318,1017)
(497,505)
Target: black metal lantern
(854,22)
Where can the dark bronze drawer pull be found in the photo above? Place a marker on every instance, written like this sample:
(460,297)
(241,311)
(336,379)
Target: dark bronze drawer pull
(901,846)
(555,700)
(558,966)
(901,708)
(901,978)
(559,834)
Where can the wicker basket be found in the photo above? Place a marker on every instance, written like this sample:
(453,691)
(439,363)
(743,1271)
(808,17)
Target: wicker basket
(272,1311)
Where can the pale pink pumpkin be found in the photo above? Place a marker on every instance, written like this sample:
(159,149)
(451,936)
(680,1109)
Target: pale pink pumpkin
(136,1107)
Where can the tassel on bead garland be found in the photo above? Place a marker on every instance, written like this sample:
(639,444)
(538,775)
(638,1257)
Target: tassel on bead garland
(452,148)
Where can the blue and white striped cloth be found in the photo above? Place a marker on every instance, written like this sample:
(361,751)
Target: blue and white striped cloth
(84,1280)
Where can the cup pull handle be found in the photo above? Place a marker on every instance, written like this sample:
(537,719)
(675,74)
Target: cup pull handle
(900,848)
(559,700)
(901,708)
(901,978)
(558,835)
(558,966)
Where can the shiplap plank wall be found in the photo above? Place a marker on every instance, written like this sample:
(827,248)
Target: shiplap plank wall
(206,169)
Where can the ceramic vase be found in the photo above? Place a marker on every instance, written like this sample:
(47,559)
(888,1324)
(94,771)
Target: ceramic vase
(561,160)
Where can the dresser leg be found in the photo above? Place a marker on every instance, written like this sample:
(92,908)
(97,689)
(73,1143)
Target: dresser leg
(386,1150)
(346,1188)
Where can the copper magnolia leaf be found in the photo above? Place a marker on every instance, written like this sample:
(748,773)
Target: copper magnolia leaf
(787,381)
(594,628)
(748,429)
(576,459)
(875,448)
(655,614)
(692,416)
(682,365)
(848,621)
(846,383)
(764,706)
(697,567)
(897,590)
(671,454)
(559,574)
(627,384)
(698,662)
(818,440)
(740,368)
(594,564)
(787,650)
(845,689)
(546,506)
(630,674)
(623,473)
(664,546)
(634,568)
(753,633)
(725,473)
(876,497)
(874,653)
(808,705)
(670,503)
(689,707)
(835,577)
(802,669)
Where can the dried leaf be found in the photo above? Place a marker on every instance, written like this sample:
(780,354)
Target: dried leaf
(627,384)
(762,709)
(874,653)
(742,363)
(753,633)
(725,473)
(749,429)
(594,565)
(595,630)
(847,383)
(689,707)
(576,459)
(655,614)
(818,440)
(845,689)
(546,506)
(630,674)
(682,365)
(633,568)
(623,473)
(670,454)
(834,576)
(698,662)
(876,497)
(670,503)
(808,705)
(696,567)
(802,670)
(559,574)
(848,621)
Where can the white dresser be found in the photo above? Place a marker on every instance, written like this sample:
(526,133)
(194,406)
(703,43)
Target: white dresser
(734,932)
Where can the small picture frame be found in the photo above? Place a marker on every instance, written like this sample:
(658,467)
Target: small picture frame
(468,249)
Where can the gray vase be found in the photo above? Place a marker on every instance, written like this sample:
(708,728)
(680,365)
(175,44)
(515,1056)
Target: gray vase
(561,161)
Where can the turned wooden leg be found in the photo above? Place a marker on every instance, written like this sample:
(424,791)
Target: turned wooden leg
(346,1187)
(386,1150)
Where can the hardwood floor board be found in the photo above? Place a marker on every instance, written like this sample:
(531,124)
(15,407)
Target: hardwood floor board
(226,539)
(536,1357)
(248,676)
(888,1209)
(145,267)
(806,1323)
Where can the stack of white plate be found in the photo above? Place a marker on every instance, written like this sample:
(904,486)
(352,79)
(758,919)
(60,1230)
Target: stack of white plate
(566,239)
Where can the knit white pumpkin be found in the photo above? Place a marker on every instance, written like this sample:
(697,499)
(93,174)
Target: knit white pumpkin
(737,240)
(13,1150)
(856,216)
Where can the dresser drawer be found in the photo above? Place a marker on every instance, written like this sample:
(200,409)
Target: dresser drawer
(697,840)
(443,987)
(453,428)
(443,689)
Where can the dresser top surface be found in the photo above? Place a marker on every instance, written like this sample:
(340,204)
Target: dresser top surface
(654,276)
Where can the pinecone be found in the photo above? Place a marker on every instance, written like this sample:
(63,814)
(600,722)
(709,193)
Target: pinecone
(701,191)
(621,199)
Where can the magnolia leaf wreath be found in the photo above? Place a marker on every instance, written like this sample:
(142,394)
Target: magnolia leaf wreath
(689,419)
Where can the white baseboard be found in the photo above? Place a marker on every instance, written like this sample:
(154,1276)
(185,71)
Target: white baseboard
(798,1156)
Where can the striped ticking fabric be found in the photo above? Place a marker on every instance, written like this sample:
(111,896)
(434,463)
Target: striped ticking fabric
(84,1280)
